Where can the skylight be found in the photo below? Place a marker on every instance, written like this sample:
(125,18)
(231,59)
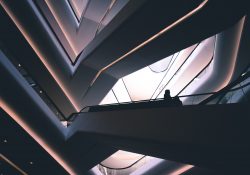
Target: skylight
(174,72)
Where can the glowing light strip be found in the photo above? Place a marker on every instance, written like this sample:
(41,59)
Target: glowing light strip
(40,55)
(12,164)
(35,136)
(150,39)
(182,170)
(62,28)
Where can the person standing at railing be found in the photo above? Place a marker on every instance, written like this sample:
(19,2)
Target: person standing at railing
(171,100)
(167,95)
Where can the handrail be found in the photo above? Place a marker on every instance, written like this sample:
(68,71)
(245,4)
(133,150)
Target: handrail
(228,88)
(134,102)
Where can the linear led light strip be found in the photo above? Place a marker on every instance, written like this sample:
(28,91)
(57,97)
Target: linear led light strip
(40,55)
(182,170)
(188,15)
(18,119)
(12,164)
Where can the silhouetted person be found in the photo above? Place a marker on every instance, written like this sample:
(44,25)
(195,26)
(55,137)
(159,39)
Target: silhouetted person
(171,101)
(168,101)
(167,95)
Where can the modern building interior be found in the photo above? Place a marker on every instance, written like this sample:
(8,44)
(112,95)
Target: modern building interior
(124,87)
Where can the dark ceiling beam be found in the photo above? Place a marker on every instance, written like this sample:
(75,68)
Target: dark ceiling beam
(212,136)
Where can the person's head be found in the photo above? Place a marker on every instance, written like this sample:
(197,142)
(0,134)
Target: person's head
(167,92)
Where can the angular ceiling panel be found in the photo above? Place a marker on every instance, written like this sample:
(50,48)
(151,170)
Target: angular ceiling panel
(78,6)
(77,22)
